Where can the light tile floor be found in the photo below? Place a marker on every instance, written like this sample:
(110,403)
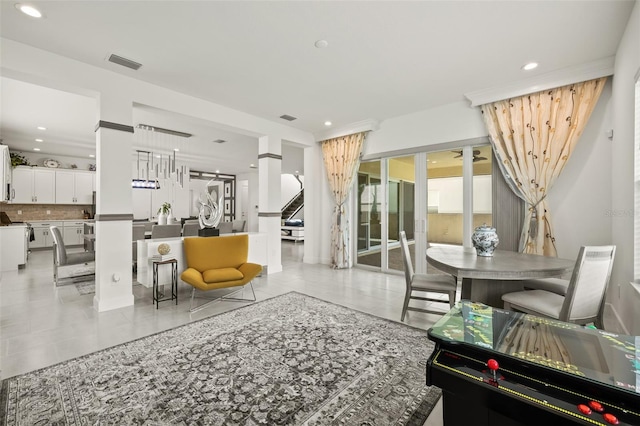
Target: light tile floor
(41,325)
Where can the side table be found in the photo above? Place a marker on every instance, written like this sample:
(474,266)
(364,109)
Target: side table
(174,281)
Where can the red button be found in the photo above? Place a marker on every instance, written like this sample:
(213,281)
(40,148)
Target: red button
(584,409)
(610,418)
(596,406)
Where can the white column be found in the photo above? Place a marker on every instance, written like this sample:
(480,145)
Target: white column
(114,211)
(270,210)
(313,185)
(421,212)
(467,197)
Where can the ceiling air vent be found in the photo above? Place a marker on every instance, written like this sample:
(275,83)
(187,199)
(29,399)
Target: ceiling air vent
(219,141)
(288,117)
(124,62)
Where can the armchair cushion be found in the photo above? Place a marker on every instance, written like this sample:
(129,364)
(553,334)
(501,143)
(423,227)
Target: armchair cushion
(221,274)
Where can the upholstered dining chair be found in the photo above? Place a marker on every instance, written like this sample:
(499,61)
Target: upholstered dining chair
(137,233)
(225,227)
(166,231)
(585,296)
(62,258)
(215,263)
(424,283)
(190,229)
(238,225)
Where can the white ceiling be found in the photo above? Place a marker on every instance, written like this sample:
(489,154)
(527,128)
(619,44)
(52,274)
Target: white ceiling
(384,59)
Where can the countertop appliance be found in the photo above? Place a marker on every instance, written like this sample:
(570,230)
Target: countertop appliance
(5,174)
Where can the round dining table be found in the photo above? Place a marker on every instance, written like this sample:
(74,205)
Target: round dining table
(486,279)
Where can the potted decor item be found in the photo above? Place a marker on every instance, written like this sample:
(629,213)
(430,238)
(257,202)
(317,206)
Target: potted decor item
(485,239)
(164,213)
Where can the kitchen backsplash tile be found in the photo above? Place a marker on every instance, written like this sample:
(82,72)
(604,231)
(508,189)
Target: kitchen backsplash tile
(39,211)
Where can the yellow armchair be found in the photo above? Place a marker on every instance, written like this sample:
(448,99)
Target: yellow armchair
(218,262)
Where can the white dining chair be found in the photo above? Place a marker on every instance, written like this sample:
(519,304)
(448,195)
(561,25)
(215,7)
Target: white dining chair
(424,283)
(585,296)
(63,258)
(190,229)
(166,231)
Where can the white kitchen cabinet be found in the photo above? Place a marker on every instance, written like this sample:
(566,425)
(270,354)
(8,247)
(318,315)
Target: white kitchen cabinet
(33,185)
(73,233)
(42,234)
(74,187)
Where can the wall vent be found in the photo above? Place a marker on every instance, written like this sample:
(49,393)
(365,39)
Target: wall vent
(124,62)
(288,117)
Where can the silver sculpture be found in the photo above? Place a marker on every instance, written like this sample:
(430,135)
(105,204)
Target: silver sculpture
(210,212)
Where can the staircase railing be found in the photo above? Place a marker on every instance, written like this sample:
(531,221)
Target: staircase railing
(293,200)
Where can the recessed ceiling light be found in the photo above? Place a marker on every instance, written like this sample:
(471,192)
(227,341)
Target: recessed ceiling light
(29,10)
(434,162)
(321,44)
(217,171)
(176,149)
(39,140)
(530,66)
(252,166)
(92,156)
(327,123)
(41,128)
(36,149)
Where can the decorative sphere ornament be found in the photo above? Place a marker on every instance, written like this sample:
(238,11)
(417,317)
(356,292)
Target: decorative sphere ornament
(164,248)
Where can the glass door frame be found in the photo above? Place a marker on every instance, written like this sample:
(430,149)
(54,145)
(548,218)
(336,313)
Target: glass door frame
(420,203)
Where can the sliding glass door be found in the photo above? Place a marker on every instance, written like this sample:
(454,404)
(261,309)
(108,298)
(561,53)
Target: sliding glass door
(422,194)
(368,214)
(401,208)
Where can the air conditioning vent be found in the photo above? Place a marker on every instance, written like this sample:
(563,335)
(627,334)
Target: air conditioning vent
(124,62)
(288,117)
(219,141)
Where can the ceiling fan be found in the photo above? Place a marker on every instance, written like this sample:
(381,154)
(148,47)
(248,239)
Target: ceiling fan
(476,155)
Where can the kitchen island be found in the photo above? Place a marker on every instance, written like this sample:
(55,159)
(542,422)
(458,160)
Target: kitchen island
(13,246)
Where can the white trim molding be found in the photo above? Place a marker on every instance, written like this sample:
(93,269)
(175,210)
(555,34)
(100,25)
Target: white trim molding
(589,71)
(349,129)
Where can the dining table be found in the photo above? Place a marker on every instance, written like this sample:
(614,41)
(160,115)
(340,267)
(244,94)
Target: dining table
(486,278)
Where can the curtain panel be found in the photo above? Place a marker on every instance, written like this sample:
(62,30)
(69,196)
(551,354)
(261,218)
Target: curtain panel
(533,137)
(341,160)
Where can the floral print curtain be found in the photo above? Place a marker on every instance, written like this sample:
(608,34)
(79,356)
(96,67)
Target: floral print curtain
(533,137)
(341,160)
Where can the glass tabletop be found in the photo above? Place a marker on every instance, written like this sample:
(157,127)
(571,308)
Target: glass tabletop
(608,358)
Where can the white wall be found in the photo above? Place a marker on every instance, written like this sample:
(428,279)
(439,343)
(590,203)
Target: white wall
(621,170)
(289,188)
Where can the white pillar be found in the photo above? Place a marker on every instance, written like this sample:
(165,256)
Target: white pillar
(270,210)
(314,234)
(114,211)
(467,197)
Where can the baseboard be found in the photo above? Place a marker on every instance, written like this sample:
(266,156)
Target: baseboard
(102,305)
(620,325)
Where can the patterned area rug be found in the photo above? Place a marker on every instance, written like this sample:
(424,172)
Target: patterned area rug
(288,360)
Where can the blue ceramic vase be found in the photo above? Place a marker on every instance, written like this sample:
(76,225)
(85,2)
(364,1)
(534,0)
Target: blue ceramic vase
(485,240)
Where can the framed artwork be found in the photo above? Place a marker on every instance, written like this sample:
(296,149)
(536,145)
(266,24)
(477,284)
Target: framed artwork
(227,207)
